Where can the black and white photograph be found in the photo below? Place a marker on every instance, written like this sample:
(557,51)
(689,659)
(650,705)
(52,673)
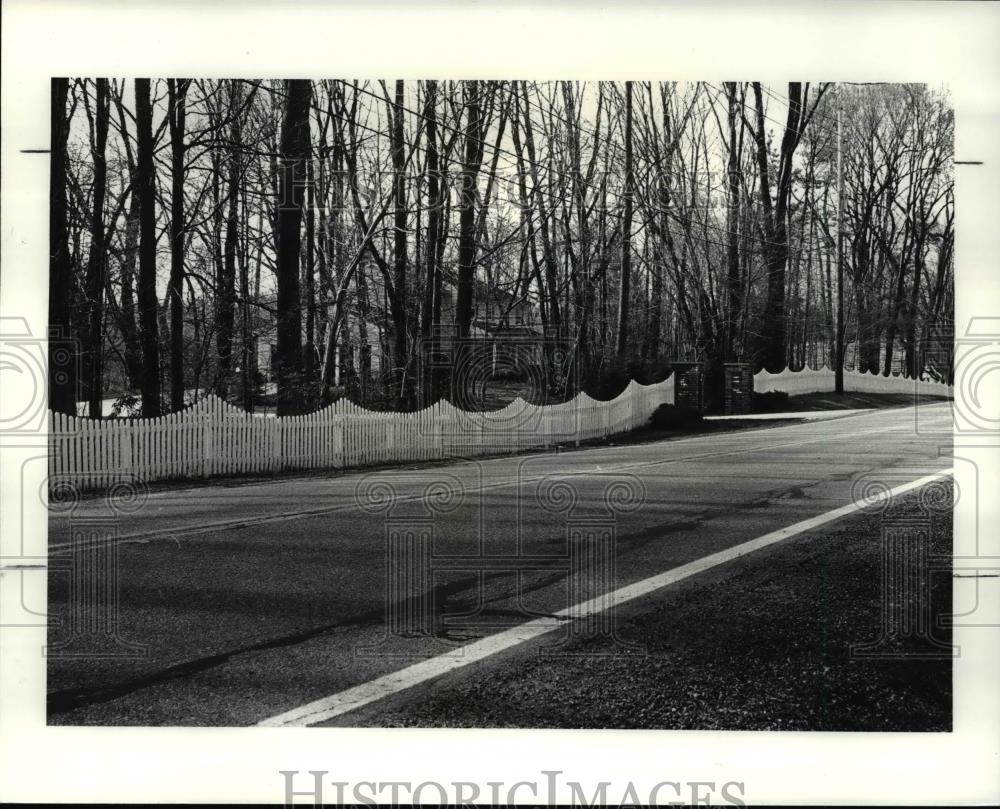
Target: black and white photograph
(371,377)
(498,401)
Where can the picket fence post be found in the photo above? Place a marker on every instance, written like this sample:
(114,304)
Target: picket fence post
(207,444)
(277,443)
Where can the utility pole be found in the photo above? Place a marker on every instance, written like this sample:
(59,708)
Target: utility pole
(838,371)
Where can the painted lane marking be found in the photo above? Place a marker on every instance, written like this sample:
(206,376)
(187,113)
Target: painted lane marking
(366,693)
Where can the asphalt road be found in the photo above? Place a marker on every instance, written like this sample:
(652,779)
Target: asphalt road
(236,604)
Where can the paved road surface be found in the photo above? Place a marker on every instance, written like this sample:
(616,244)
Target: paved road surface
(249,601)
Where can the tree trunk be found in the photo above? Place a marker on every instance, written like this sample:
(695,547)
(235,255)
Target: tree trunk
(224,242)
(912,309)
(427,330)
(771,350)
(398,302)
(308,275)
(869,334)
(467,213)
(292,180)
(97,260)
(176,104)
(62,355)
(149,337)
(734,281)
(548,254)
(895,316)
(131,348)
(249,346)
(626,268)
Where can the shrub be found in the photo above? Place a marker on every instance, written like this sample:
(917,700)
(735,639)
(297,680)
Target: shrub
(771,402)
(673,417)
(128,404)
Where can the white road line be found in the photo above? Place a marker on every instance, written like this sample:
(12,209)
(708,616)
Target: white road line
(327,708)
(227,525)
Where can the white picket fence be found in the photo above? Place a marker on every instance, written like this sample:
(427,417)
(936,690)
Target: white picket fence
(214,438)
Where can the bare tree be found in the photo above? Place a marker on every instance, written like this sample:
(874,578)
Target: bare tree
(636,227)
(772,343)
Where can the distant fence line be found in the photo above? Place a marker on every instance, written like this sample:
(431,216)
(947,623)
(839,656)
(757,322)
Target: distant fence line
(809,380)
(212,437)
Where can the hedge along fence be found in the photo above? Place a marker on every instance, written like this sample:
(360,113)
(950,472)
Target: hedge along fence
(213,438)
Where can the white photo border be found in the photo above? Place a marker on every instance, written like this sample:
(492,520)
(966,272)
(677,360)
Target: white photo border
(937,42)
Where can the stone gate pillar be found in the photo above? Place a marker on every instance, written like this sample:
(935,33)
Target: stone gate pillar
(689,385)
(739,388)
